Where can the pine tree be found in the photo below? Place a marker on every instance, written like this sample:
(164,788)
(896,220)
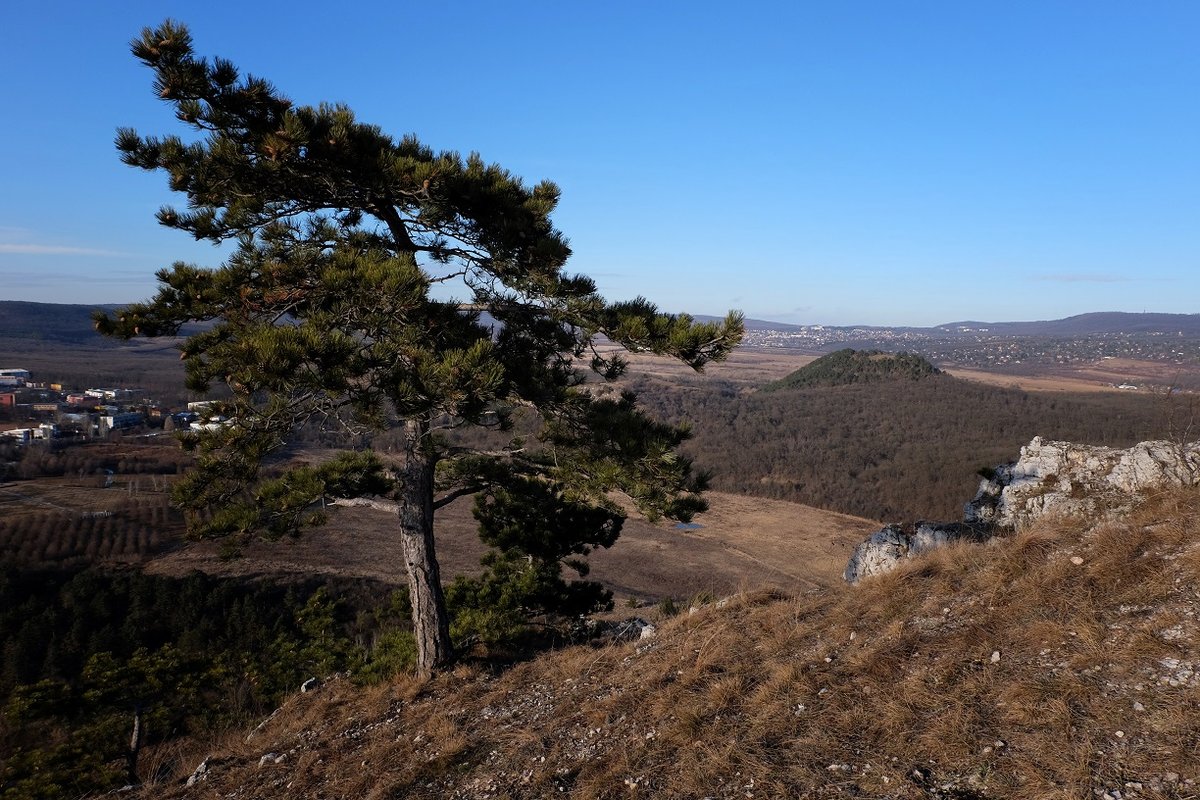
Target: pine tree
(328,312)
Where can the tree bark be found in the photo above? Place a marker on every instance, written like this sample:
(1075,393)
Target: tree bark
(135,748)
(431,624)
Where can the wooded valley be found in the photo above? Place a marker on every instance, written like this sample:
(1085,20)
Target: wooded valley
(893,450)
(86,641)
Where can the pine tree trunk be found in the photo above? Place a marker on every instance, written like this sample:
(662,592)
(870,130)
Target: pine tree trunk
(431,625)
(135,748)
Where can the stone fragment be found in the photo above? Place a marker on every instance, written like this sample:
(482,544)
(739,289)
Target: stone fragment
(199,774)
(890,545)
(624,630)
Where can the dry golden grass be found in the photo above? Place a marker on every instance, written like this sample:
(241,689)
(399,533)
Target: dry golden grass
(1039,667)
(744,543)
(1101,376)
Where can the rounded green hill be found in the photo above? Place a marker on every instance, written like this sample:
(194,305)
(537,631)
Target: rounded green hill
(856,366)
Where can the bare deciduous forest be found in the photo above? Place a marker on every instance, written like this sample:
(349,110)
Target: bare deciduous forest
(894,450)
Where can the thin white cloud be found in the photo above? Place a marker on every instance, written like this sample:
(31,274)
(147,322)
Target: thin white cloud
(31,277)
(21,279)
(778,315)
(1082,277)
(54,250)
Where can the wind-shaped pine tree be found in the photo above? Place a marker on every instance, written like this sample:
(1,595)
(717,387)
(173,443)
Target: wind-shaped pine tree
(326,311)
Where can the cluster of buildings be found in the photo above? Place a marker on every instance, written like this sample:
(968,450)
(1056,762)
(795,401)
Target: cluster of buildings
(984,348)
(821,338)
(33,411)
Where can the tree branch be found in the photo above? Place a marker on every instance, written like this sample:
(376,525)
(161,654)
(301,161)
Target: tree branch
(461,491)
(393,508)
(366,502)
(387,212)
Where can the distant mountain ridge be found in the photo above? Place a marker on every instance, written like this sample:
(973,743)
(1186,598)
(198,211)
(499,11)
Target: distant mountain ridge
(1094,323)
(50,322)
(72,324)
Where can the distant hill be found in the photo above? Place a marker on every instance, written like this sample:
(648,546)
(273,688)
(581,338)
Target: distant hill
(58,342)
(50,322)
(72,324)
(1086,324)
(769,325)
(856,366)
(1100,322)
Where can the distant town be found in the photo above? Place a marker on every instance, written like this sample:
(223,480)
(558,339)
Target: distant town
(981,348)
(38,410)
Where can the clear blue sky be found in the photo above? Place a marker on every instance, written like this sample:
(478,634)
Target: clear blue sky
(832,162)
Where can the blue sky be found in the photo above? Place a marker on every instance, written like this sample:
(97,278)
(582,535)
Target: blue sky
(877,162)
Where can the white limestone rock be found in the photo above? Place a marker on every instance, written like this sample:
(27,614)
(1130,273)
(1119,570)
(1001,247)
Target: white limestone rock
(1062,478)
(881,552)
(199,774)
(1048,479)
(623,630)
(886,548)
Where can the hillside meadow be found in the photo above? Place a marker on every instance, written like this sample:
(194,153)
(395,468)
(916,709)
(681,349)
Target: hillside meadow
(1059,663)
(802,475)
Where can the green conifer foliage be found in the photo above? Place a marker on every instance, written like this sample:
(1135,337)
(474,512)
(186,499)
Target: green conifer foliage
(327,312)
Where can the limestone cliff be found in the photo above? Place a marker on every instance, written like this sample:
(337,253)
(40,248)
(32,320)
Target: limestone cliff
(1062,478)
(1048,479)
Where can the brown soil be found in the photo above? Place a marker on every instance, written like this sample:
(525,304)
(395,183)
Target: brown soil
(75,496)
(743,543)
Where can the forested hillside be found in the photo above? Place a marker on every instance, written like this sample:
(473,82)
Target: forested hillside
(50,322)
(892,450)
(82,650)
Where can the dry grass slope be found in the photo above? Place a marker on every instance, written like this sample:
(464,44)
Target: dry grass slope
(745,543)
(1062,663)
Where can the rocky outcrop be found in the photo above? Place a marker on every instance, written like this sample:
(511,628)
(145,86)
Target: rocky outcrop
(602,631)
(886,548)
(199,774)
(1062,478)
(879,552)
(1049,478)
